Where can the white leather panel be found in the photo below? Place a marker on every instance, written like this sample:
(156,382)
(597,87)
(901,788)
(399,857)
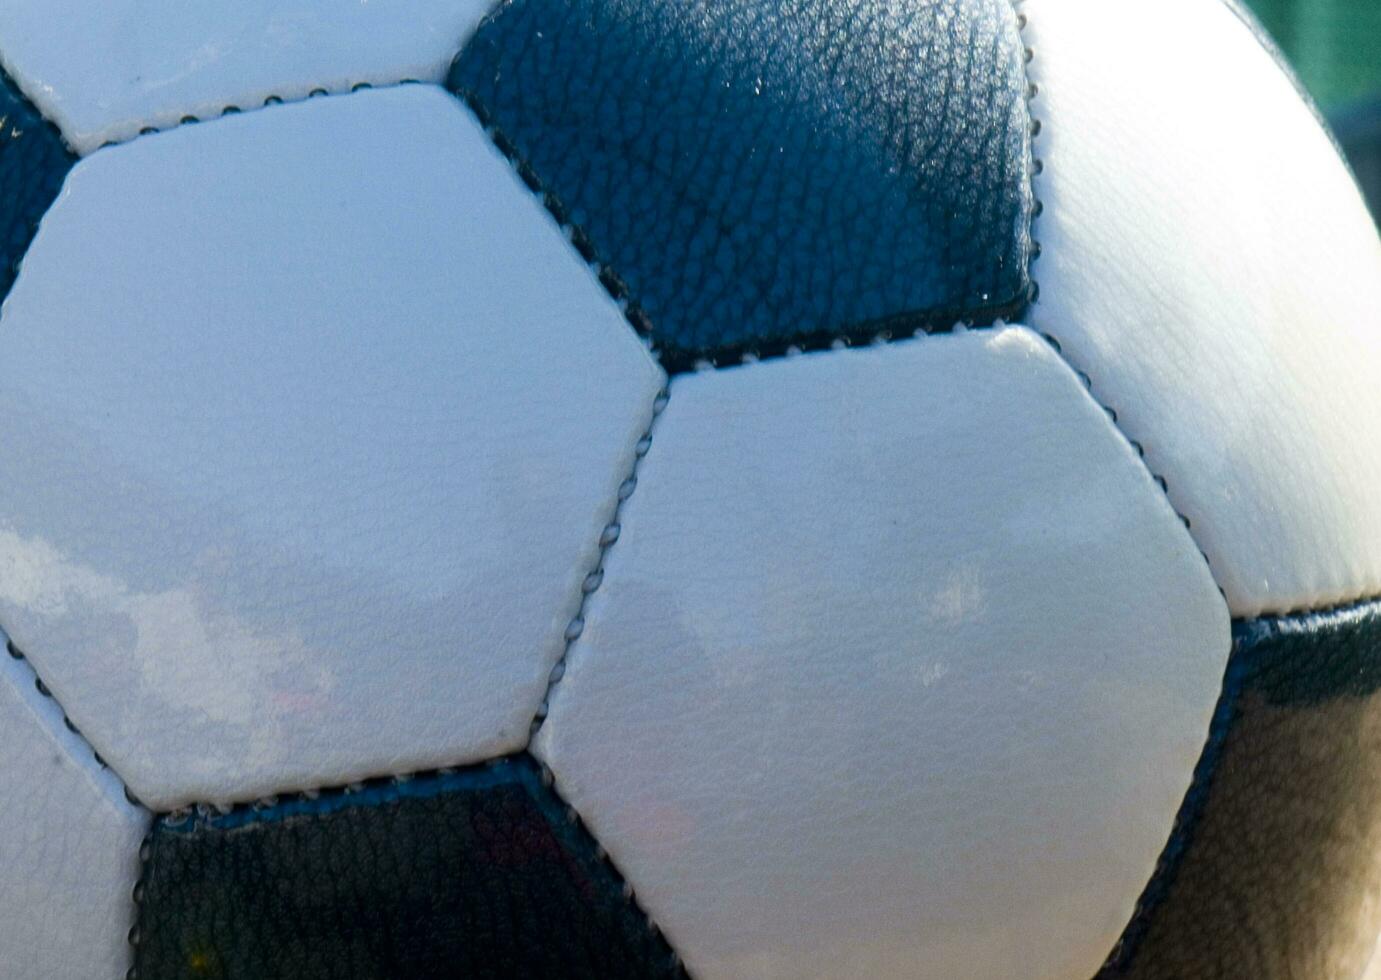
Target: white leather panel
(900,668)
(69,844)
(1209,263)
(104,71)
(312,419)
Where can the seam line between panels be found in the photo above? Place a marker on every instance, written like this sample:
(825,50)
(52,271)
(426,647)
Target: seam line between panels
(885,331)
(18,656)
(7,78)
(254,808)
(231,109)
(618,291)
(1138,449)
(630,896)
(612,282)
(1186,813)
(593,579)
(1037,166)
(1189,816)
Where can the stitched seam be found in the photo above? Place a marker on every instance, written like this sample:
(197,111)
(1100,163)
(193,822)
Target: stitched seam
(1037,167)
(1240,666)
(612,282)
(1184,827)
(1136,447)
(590,584)
(1294,612)
(19,658)
(29,103)
(135,933)
(1186,815)
(18,655)
(901,326)
(625,886)
(256,807)
(232,109)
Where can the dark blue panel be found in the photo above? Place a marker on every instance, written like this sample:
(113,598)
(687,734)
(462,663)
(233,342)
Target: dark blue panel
(753,174)
(1270,866)
(477,873)
(33,162)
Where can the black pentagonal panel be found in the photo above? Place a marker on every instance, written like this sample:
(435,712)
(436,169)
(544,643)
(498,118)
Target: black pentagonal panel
(1272,866)
(755,174)
(33,162)
(470,874)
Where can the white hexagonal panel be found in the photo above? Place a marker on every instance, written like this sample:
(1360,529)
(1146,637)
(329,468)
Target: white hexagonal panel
(900,667)
(104,71)
(69,844)
(1208,260)
(312,419)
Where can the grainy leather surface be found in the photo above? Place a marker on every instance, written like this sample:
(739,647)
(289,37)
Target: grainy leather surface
(471,874)
(759,174)
(105,71)
(1207,260)
(290,503)
(900,667)
(69,842)
(33,162)
(1274,870)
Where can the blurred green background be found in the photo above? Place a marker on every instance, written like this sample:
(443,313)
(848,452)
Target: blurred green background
(1335,46)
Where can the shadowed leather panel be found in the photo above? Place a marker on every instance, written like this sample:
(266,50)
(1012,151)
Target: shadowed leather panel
(470,874)
(755,175)
(33,162)
(1274,865)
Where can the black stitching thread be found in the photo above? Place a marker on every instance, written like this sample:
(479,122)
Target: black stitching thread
(271,100)
(137,895)
(18,656)
(42,688)
(901,326)
(609,535)
(1188,816)
(590,584)
(601,855)
(548,781)
(1037,167)
(612,282)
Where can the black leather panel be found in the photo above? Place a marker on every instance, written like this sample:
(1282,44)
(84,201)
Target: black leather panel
(754,174)
(471,874)
(1274,864)
(33,162)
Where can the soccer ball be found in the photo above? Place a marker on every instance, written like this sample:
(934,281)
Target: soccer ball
(605,488)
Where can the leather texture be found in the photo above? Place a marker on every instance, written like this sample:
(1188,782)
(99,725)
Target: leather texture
(1208,262)
(106,71)
(900,667)
(33,162)
(755,175)
(69,843)
(295,501)
(473,874)
(1274,870)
